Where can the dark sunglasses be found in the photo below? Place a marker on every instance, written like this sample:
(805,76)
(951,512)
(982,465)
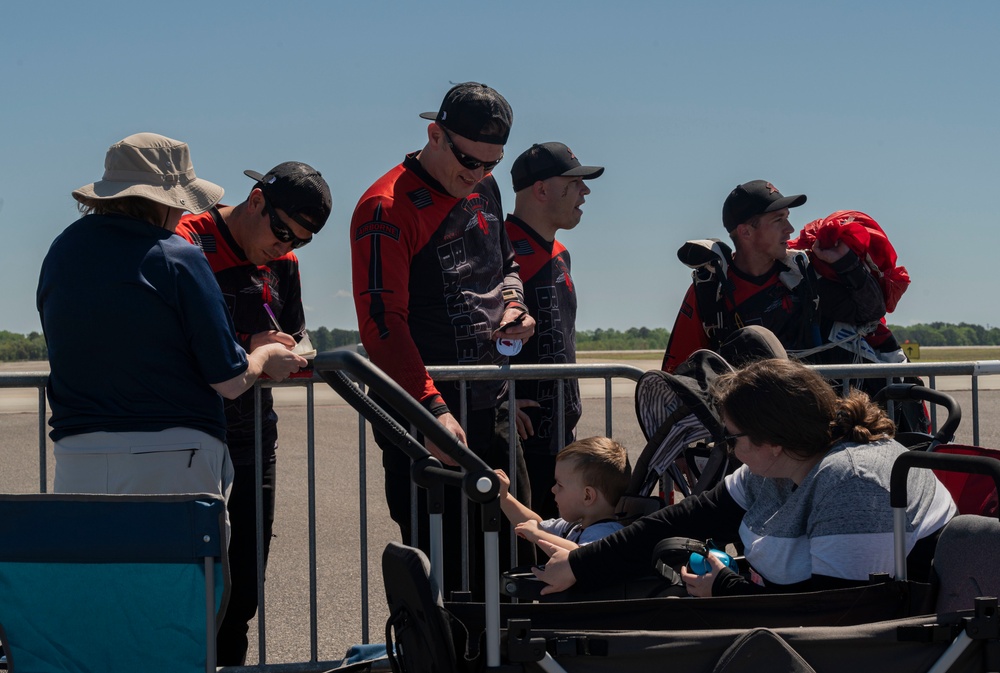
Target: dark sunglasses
(281,230)
(469,162)
(730,440)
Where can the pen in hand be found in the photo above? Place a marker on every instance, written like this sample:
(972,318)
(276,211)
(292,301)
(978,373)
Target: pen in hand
(303,347)
(270,313)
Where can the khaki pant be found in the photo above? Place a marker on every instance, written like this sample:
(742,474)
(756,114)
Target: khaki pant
(176,460)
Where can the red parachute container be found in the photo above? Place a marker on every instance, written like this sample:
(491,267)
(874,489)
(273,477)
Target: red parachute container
(865,237)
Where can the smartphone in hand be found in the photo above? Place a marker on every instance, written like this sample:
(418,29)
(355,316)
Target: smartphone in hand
(513,323)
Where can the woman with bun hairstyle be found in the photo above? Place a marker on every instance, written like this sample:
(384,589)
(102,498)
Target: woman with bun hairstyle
(810,504)
(140,342)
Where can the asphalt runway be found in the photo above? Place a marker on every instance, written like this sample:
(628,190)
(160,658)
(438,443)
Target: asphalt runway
(338,485)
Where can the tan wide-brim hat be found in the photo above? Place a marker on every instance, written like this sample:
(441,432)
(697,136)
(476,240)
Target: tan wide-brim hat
(156,168)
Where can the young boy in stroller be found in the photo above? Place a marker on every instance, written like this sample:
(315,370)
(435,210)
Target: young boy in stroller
(590,477)
(810,504)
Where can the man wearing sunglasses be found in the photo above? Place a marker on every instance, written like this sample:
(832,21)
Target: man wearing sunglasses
(250,248)
(435,282)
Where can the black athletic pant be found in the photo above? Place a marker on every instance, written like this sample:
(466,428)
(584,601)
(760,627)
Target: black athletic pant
(231,640)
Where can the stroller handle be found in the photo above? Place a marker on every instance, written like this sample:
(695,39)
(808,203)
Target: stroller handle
(936,461)
(931,461)
(480,483)
(912,391)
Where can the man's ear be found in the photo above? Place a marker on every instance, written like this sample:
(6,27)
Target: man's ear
(589,495)
(538,190)
(743,230)
(434,134)
(256,201)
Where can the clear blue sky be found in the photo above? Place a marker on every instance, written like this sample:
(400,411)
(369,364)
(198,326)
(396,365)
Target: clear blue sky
(890,108)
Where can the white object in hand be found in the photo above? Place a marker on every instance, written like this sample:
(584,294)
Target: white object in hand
(304,347)
(508,347)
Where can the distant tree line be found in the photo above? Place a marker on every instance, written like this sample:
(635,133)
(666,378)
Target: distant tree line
(15,347)
(635,338)
(948,334)
(324,339)
(632,339)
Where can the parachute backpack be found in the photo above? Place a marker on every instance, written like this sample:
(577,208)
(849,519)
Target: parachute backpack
(868,241)
(710,258)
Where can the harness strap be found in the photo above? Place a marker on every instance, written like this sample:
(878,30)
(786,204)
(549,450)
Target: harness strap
(710,260)
(572,528)
(397,617)
(853,336)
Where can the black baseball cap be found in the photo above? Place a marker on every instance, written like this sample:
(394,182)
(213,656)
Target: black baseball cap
(299,190)
(475,111)
(755,198)
(542,161)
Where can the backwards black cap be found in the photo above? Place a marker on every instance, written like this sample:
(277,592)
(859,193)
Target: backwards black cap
(299,190)
(475,111)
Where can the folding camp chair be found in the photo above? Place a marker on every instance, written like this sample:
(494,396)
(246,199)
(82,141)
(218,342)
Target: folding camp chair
(112,583)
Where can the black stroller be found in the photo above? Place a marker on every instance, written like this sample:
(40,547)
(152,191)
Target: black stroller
(890,624)
(682,430)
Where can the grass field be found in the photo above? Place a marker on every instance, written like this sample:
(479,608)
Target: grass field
(958,353)
(927,354)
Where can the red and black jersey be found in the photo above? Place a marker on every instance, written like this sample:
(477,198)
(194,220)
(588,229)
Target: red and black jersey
(550,296)
(430,274)
(246,287)
(854,298)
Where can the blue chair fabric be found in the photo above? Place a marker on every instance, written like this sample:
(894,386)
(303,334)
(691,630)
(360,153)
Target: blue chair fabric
(111,582)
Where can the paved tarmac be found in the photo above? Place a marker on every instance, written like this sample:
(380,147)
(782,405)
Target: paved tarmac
(337,504)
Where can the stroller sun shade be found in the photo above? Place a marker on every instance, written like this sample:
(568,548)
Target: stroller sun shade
(675,412)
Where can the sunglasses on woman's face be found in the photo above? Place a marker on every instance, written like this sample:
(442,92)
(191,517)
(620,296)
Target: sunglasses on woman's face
(467,161)
(731,439)
(281,230)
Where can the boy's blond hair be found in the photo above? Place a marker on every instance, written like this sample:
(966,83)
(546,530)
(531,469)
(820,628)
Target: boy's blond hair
(603,464)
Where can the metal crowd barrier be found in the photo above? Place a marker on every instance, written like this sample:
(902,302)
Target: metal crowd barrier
(929,370)
(607,372)
(513,374)
(38,380)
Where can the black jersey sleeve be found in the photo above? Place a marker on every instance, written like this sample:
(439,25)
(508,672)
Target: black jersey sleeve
(628,553)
